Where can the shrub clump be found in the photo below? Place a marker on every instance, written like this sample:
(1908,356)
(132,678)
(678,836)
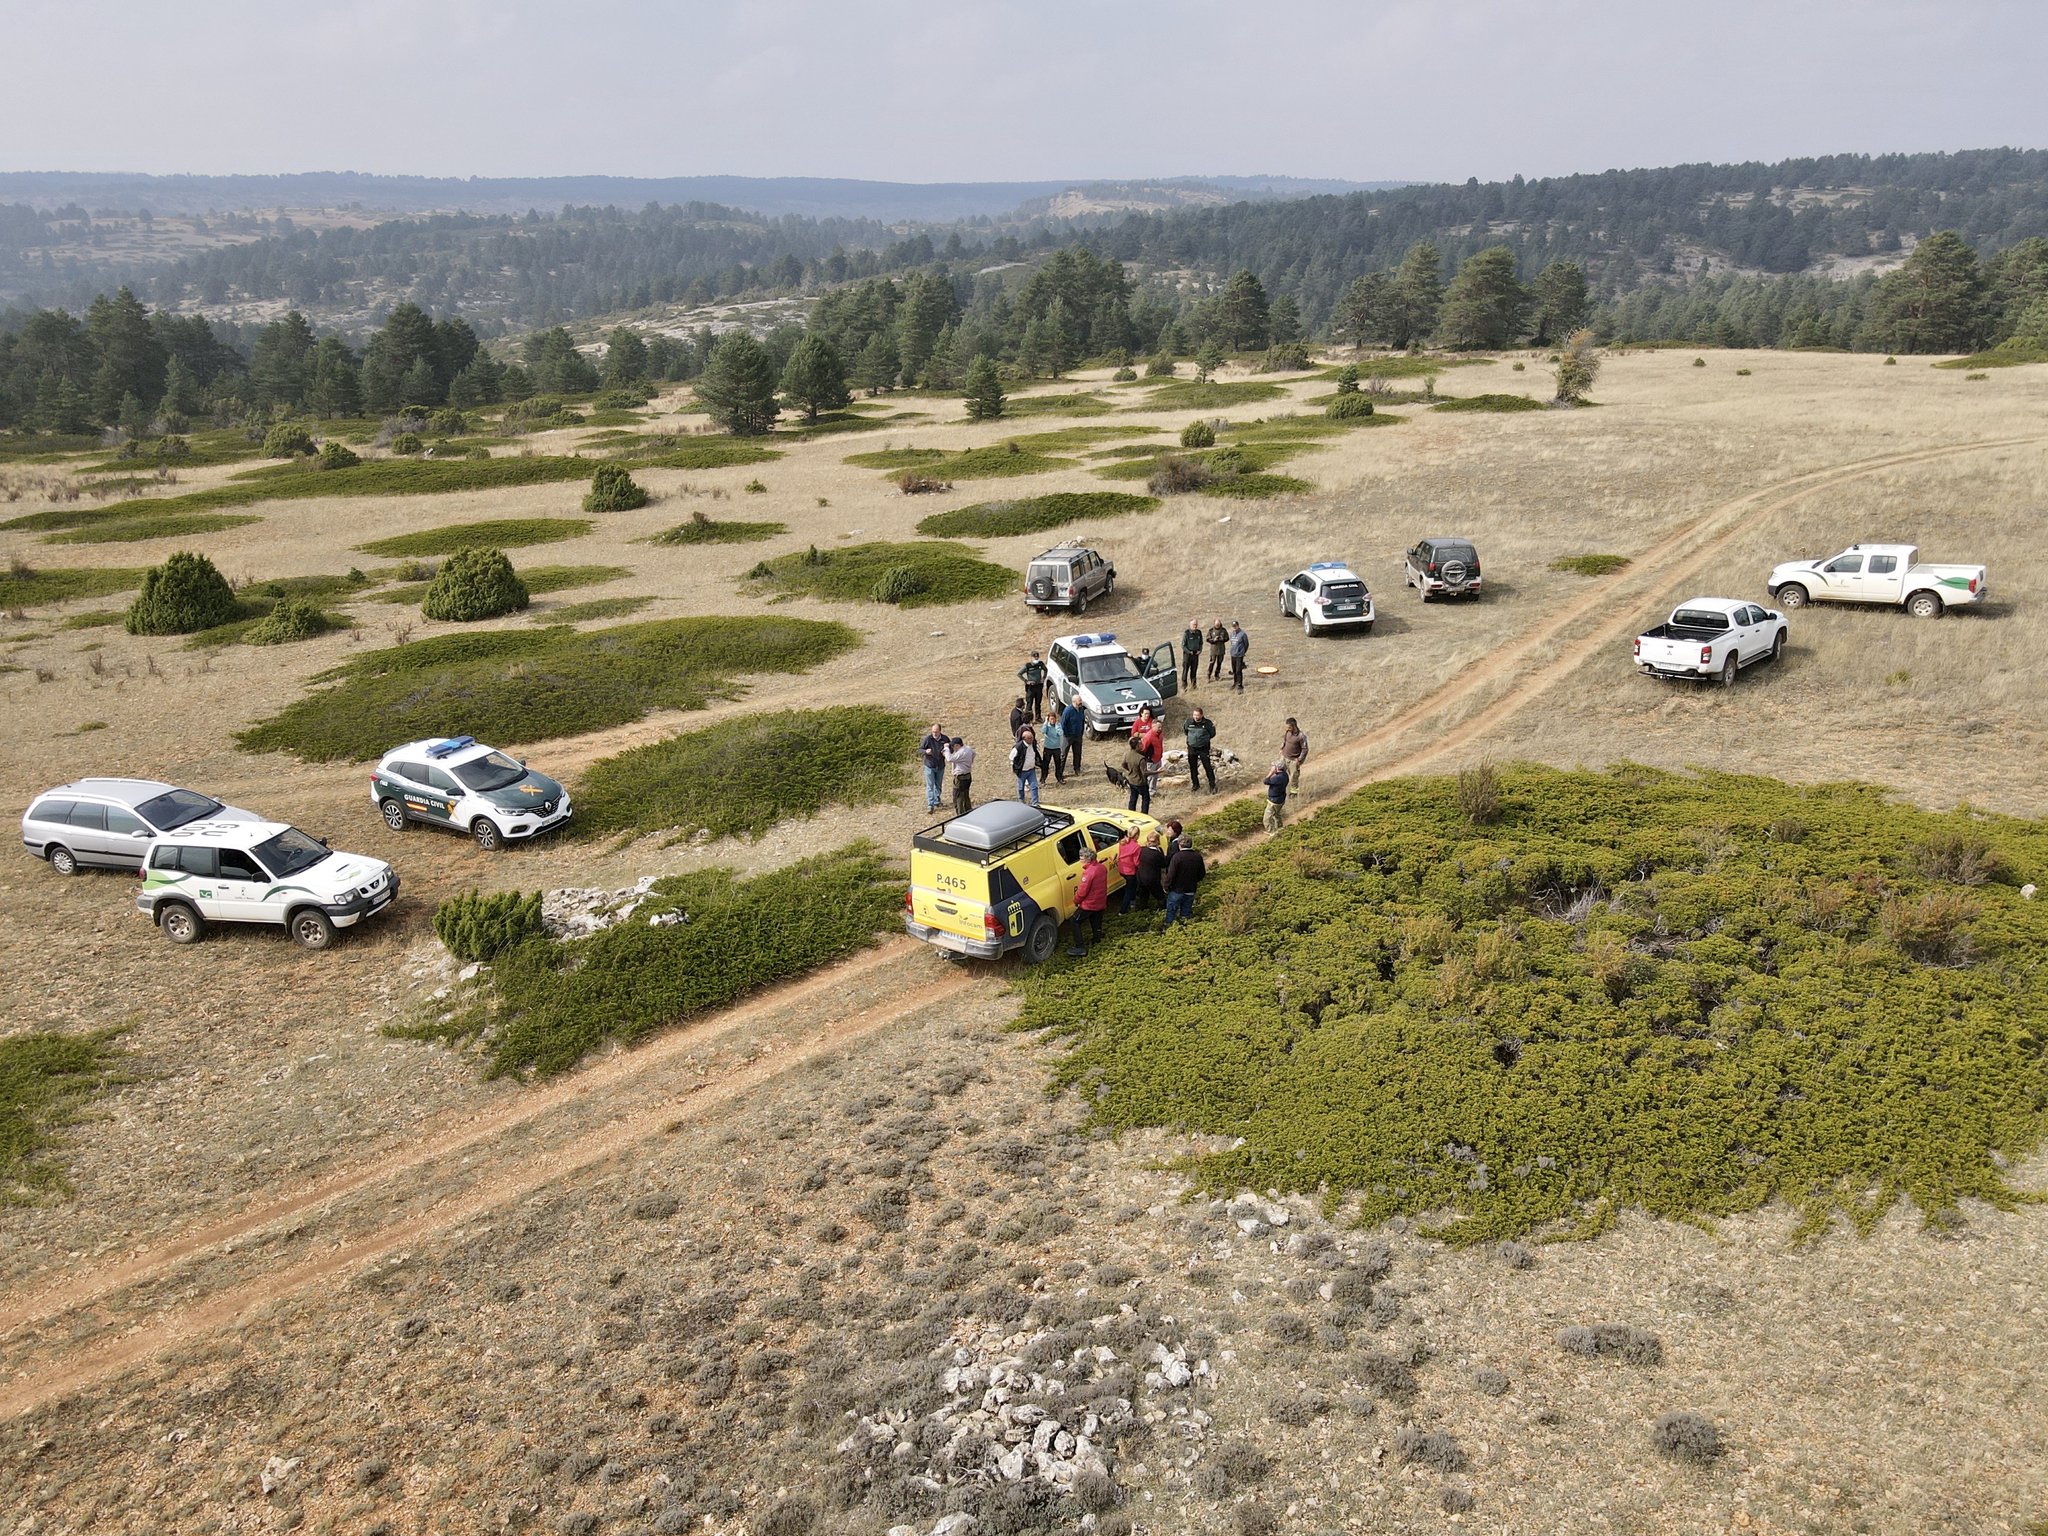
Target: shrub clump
(940,571)
(476,926)
(613,489)
(914,482)
(180,597)
(1432,1448)
(702,529)
(474,584)
(294,618)
(1349,406)
(900,584)
(1614,1341)
(1032,514)
(1687,1436)
(1479,794)
(1176,476)
(1198,434)
(288,440)
(338,455)
(408,444)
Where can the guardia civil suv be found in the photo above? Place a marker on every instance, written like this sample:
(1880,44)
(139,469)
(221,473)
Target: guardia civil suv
(1327,595)
(457,781)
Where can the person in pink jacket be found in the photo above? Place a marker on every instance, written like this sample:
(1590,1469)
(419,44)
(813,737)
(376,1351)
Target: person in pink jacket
(1091,900)
(1128,852)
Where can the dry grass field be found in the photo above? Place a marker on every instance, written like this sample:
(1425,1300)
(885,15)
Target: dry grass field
(312,1277)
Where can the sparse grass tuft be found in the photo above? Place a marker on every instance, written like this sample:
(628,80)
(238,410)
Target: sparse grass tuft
(22,584)
(1666,998)
(1193,395)
(717,779)
(1615,1341)
(1032,514)
(939,572)
(701,529)
(1432,1448)
(999,461)
(1490,403)
(1590,565)
(596,608)
(1479,794)
(498,533)
(513,686)
(44,1077)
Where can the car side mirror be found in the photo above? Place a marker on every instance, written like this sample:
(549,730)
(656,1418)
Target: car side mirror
(142,832)
(324,844)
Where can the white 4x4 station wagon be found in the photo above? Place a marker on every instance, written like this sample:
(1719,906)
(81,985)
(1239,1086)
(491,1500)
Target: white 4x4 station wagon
(1326,595)
(259,872)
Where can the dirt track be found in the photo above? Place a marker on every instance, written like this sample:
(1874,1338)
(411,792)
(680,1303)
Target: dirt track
(106,1320)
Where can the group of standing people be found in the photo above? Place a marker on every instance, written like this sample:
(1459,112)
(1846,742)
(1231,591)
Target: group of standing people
(1161,867)
(1222,643)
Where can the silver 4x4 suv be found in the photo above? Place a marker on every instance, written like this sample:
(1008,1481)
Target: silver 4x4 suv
(108,823)
(1068,577)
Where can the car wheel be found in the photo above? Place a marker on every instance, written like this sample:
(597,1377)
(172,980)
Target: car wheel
(1080,603)
(62,859)
(1109,587)
(487,835)
(1308,626)
(1728,670)
(1924,605)
(1042,940)
(180,924)
(1793,596)
(1366,627)
(1778,647)
(394,815)
(1421,591)
(310,928)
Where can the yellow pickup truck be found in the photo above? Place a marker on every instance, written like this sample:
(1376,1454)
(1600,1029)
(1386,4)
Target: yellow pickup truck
(1002,877)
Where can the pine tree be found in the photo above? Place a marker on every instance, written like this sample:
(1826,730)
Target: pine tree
(1242,315)
(1484,305)
(1559,301)
(1578,364)
(875,369)
(1285,320)
(280,365)
(1364,312)
(738,386)
(814,379)
(1060,344)
(1208,360)
(181,390)
(419,386)
(985,399)
(131,359)
(625,357)
(1936,301)
(336,389)
(942,368)
(1418,295)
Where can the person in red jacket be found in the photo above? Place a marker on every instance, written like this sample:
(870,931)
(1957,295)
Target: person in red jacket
(1128,852)
(1091,900)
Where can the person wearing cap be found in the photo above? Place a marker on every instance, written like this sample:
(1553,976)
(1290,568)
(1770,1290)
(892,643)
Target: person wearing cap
(1032,676)
(1276,796)
(1218,637)
(1240,643)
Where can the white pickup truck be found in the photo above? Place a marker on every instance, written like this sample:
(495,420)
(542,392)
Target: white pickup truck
(1878,573)
(1711,638)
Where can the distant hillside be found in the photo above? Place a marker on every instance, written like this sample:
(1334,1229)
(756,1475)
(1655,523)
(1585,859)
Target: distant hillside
(808,196)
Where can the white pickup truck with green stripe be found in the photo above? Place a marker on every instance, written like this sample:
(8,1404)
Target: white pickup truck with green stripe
(1878,573)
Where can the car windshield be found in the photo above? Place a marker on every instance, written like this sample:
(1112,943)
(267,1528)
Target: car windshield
(1107,669)
(289,853)
(487,773)
(1344,591)
(176,807)
(1699,618)
(1464,552)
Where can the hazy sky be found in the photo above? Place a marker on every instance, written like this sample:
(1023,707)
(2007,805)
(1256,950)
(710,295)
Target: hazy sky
(988,90)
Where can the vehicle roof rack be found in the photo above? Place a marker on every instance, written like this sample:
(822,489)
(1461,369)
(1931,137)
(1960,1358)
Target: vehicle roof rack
(451,745)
